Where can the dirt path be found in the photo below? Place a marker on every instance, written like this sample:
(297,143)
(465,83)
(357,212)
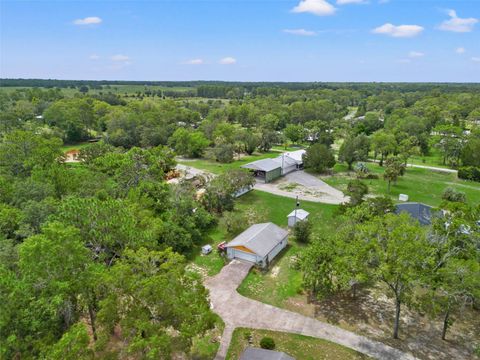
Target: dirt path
(239,311)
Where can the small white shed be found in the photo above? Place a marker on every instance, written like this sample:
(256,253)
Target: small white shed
(206,249)
(297,215)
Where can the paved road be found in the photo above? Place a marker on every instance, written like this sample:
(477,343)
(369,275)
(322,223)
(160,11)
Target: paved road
(239,311)
(311,189)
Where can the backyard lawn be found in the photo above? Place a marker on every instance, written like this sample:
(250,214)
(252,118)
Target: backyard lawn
(272,208)
(282,284)
(421,185)
(298,346)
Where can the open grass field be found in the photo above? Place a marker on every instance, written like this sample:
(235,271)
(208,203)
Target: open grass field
(116,89)
(298,346)
(422,185)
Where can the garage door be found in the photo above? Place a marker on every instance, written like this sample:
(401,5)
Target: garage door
(245,256)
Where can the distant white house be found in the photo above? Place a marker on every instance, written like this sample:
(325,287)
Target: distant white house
(297,215)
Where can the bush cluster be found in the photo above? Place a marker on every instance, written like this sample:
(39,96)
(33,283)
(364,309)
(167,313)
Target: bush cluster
(267,343)
(469,173)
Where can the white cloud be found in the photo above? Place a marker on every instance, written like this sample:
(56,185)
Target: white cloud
(301,32)
(476,59)
(194,62)
(91,20)
(120,57)
(345,2)
(415,54)
(460,50)
(457,24)
(398,31)
(94,57)
(228,61)
(316,7)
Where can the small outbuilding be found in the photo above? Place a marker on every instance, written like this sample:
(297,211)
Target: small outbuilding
(259,244)
(297,215)
(252,353)
(206,249)
(265,169)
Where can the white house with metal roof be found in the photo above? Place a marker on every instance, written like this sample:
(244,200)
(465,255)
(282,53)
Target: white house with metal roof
(266,169)
(297,215)
(271,169)
(259,244)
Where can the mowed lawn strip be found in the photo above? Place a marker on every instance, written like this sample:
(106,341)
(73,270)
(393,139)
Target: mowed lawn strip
(421,185)
(298,346)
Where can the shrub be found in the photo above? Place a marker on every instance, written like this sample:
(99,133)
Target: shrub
(302,231)
(267,343)
(451,194)
(469,173)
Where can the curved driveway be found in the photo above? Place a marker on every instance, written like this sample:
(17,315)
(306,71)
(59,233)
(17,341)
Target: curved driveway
(239,311)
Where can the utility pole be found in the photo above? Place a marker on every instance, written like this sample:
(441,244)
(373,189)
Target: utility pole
(297,204)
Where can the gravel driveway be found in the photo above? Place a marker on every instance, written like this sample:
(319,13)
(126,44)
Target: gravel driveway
(305,186)
(239,311)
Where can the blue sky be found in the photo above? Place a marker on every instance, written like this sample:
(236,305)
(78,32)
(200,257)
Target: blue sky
(244,40)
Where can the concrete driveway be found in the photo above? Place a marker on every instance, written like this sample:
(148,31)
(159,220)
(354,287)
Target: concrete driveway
(239,311)
(305,186)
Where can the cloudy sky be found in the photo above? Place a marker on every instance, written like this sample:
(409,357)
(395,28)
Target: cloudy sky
(246,40)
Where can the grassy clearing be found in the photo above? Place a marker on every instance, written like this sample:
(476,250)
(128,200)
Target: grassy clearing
(219,168)
(77,146)
(298,346)
(422,185)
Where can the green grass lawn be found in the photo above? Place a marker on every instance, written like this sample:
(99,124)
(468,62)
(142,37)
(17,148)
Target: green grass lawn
(283,280)
(422,185)
(272,208)
(434,159)
(218,168)
(298,346)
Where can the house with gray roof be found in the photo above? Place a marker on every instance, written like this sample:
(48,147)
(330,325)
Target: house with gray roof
(271,169)
(259,244)
(419,211)
(252,353)
(265,169)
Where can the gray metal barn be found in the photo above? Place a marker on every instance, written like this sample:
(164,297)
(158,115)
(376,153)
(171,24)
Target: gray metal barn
(265,169)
